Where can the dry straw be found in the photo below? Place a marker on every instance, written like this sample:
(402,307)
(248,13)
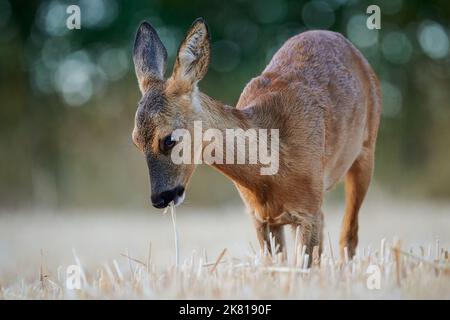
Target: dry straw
(253,275)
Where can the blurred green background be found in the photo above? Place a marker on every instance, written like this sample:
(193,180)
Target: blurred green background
(68,97)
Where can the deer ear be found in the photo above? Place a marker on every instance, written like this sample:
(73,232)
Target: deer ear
(194,54)
(149,56)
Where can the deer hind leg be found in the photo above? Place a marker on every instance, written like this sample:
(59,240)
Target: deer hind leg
(357,182)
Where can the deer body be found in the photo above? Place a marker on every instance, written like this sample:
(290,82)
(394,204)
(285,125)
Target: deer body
(320,93)
(325,98)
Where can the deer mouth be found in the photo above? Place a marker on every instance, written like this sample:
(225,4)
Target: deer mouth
(163,199)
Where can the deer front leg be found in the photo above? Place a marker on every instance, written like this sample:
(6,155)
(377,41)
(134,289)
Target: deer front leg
(277,232)
(264,231)
(261,233)
(311,230)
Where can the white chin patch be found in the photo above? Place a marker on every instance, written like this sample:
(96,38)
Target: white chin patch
(179,200)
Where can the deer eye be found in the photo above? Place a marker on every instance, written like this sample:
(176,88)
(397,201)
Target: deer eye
(167,143)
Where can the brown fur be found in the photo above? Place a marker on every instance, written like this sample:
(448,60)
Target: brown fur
(324,98)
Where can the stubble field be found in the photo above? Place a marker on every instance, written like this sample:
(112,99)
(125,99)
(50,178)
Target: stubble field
(131,255)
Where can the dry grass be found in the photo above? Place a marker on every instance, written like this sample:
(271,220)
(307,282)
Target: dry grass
(132,255)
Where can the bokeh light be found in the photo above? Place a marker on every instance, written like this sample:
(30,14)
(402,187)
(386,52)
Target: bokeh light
(433,39)
(396,47)
(52,18)
(74,78)
(98,13)
(359,34)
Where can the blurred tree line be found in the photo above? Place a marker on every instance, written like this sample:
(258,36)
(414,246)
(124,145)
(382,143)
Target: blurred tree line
(68,97)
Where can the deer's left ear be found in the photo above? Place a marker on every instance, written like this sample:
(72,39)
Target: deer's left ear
(194,54)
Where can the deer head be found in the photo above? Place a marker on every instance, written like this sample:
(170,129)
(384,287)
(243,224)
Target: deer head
(168,105)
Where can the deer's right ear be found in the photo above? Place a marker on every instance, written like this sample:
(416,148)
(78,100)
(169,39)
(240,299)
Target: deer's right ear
(149,56)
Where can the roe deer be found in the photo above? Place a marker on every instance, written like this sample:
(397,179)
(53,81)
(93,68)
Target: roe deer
(318,90)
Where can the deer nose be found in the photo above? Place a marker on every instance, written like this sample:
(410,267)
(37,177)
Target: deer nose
(162,200)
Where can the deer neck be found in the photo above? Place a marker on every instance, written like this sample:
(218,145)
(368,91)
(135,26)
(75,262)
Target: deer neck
(216,115)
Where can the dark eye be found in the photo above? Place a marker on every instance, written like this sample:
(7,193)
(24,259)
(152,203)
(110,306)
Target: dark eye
(167,143)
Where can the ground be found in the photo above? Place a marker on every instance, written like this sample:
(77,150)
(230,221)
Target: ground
(131,254)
